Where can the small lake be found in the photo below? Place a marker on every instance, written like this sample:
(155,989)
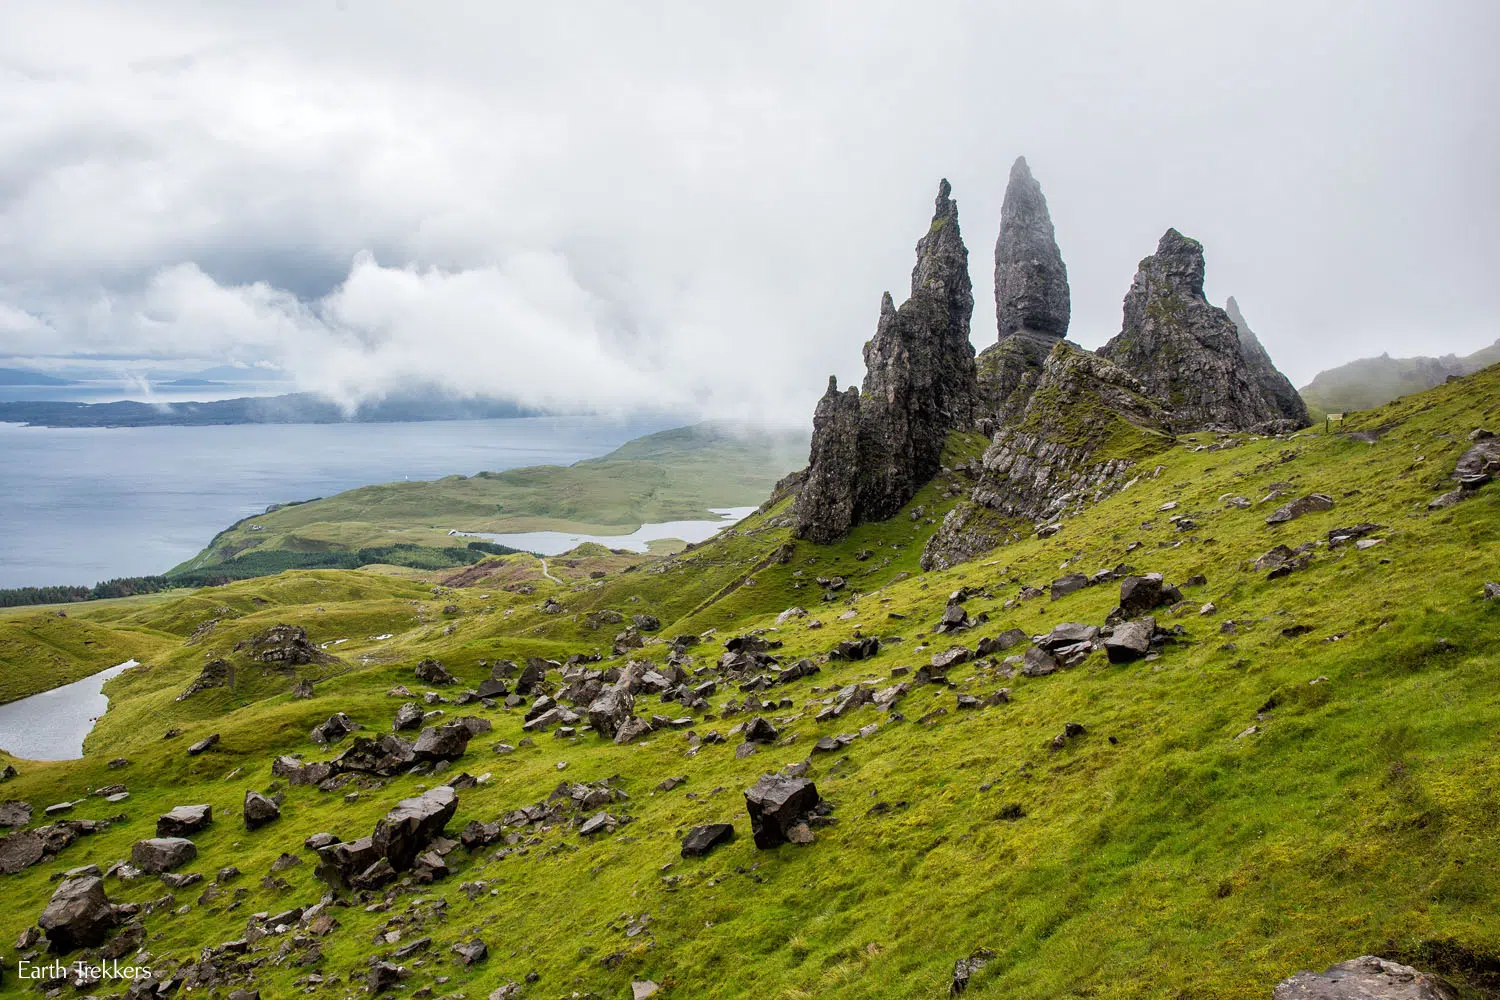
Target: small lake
(52,725)
(555,543)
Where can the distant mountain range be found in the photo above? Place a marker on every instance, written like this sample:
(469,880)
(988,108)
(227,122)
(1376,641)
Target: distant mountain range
(292,408)
(1371,382)
(21,376)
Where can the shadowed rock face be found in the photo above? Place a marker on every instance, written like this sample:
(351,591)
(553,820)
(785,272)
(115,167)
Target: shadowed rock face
(872,450)
(1187,352)
(1031,280)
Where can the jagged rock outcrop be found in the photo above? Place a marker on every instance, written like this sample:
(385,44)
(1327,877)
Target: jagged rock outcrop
(1263,371)
(1031,280)
(873,450)
(1076,440)
(1186,352)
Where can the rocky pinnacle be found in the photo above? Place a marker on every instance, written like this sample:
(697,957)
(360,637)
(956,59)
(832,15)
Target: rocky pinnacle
(1031,280)
(873,449)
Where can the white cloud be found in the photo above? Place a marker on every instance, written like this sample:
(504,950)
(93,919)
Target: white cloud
(697,207)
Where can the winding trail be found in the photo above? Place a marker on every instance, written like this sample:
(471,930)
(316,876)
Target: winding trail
(546,574)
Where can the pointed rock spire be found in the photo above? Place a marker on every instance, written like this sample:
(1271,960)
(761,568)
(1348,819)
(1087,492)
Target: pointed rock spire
(1031,280)
(919,385)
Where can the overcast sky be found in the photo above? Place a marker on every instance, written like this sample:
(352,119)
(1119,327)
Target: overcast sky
(698,207)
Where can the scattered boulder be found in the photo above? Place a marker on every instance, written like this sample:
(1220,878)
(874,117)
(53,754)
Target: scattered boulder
(990,645)
(950,657)
(259,810)
(471,952)
(1065,585)
(1312,503)
(776,804)
(1130,640)
(1038,663)
(430,671)
(79,915)
(446,742)
(702,839)
(855,649)
(14,813)
(286,645)
(1492,591)
(405,831)
(336,728)
(408,716)
(646,623)
(203,745)
(184,820)
(760,730)
(1365,978)
(964,969)
(612,709)
(162,854)
(1140,594)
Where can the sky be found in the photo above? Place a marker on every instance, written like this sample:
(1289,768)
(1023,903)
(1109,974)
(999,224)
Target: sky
(695,207)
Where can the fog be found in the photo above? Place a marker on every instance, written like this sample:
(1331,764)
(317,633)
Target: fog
(696,209)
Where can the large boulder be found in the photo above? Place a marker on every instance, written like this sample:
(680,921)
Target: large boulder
(215,673)
(612,709)
(1140,594)
(162,854)
(777,803)
(15,813)
(259,810)
(405,831)
(408,716)
(1365,978)
(383,755)
(702,839)
(1130,640)
(1310,504)
(430,671)
(79,915)
(446,742)
(184,820)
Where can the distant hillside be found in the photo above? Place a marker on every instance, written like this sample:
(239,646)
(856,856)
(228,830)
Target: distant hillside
(21,376)
(674,475)
(1371,382)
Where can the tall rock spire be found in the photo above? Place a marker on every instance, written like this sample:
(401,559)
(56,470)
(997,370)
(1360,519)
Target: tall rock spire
(919,385)
(1031,280)
(1188,352)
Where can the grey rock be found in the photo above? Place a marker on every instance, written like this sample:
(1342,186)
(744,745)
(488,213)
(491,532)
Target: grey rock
(612,709)
(471,952)
(215,673)
(873,449)
(702,839)
(203,745)
(259,810)
(760,730)
(776,803)
(1365,978)
(14,812)
(1310,504)
(408,716)
(430,671)
(1188,352)
(446,742)
(1038,663)
(1031,280)
(965,968)
(334,729)
(79,915)
(162,854)
(1065,585)
(1130,641)
(184,820)
(1140,594)
(410,827)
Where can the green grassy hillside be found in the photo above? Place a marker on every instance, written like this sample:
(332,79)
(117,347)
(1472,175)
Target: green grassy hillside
(1309,773)
(1370,382)
(672,475)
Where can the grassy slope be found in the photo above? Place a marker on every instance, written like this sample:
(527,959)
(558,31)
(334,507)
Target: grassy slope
(1175,861)
(673,475)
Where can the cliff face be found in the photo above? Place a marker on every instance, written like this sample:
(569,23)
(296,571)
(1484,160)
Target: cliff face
(1187,352)
(919,385)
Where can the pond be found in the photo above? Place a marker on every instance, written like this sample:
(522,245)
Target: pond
(554,543)
(52,725)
